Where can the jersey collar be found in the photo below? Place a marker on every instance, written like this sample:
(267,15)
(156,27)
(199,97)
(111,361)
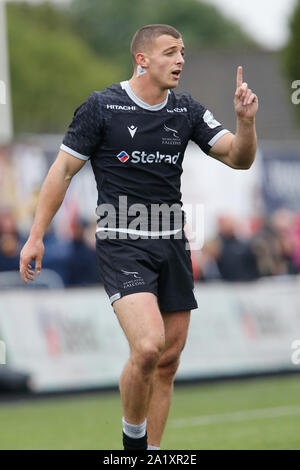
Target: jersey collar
(156,107)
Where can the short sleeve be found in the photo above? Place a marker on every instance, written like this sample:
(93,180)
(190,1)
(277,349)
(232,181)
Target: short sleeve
(84,133)
(206,129)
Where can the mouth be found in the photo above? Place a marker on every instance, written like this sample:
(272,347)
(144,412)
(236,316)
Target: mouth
(176,74)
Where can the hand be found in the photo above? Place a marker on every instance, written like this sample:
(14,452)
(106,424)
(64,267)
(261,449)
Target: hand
(32,250)
(245,101)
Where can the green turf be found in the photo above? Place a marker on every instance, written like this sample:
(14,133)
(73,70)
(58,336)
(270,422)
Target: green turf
(94,421)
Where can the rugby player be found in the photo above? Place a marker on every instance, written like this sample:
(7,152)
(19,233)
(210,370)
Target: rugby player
(135,134)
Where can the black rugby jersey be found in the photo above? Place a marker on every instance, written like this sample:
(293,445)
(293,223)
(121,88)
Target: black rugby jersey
(136,150)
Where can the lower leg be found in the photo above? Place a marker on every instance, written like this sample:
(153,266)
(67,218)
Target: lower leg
(135,392)
(142,323)
(160,402)
(176,327)
(135,386)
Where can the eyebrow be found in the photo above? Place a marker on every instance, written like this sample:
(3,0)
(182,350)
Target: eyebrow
(173,47)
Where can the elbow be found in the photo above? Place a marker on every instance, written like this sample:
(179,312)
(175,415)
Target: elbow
(240,165)
(244,166)
(244,159)
(249,165)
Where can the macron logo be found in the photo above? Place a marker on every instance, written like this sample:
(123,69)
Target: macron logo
(123,156)
(132,130)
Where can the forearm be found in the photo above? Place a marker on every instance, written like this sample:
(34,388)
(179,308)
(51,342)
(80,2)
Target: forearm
(244,144)
(50,199)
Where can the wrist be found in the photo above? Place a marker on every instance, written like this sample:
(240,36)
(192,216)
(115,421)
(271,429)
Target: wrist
(247,121)
(36,234)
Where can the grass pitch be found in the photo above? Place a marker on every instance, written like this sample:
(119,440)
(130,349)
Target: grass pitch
(250,414)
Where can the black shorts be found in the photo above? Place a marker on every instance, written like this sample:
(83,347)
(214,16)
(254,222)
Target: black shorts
(161,266)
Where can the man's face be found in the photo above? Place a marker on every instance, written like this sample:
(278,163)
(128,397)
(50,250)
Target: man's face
(165,60)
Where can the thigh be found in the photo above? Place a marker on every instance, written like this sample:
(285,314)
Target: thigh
(141,319)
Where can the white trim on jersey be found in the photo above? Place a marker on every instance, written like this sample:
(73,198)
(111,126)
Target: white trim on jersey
(155,107)
(73,152)
(138,232)
(217,137)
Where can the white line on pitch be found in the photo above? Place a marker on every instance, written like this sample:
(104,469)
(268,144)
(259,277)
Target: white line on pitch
(262,413)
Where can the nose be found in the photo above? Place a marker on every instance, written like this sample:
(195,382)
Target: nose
(180,59)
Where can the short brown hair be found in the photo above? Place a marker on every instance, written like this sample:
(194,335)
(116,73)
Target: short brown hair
(147,34)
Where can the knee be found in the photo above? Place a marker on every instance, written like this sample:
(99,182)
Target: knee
(169,361)
(168,367)
(147,355)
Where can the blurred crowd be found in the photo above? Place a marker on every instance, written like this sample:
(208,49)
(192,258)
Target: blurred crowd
(74,258)
(269,246)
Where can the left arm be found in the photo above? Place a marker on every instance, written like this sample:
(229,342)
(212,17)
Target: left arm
(238,151)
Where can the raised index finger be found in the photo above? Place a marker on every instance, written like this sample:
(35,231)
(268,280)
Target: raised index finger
(239,76)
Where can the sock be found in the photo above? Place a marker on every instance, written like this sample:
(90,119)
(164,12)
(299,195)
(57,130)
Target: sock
(134,436)
(134,430)
(153,448)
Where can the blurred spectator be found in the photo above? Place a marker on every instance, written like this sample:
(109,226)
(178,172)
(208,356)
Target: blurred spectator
(83,266)
(267,249)
(236,260)
(209,269)
(57,253)
(9,252)
(275,245)
(283,223)
(10,241)
(228,257)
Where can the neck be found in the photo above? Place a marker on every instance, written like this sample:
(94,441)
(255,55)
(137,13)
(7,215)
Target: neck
(148,92)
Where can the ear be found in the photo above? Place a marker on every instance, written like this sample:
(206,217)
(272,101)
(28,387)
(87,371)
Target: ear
(142,60)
